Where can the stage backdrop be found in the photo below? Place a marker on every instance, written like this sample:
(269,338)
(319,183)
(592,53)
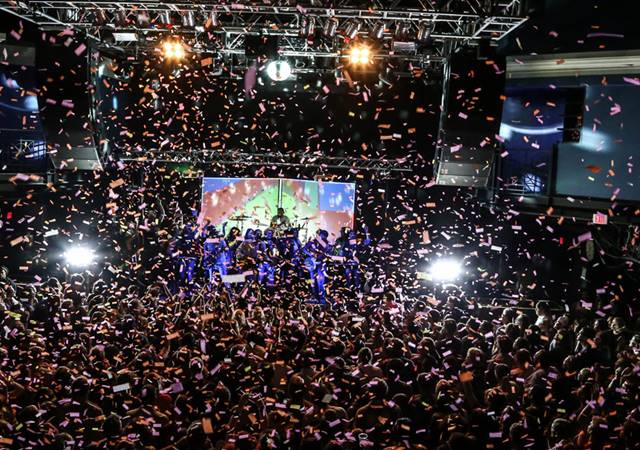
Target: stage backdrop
(252,202)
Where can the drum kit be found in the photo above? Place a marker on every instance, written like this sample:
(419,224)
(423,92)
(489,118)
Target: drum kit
(300,224)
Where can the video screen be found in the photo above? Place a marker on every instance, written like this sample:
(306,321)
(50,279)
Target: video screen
(602,165)
(252,203)
(532,122)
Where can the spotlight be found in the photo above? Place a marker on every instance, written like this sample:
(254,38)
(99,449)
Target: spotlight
(188,19)
(79,256)
(121,18)
(360,55)
(445,270)
(424,31)
(173,50)
(330,27)
(214,20)
(308,27)
(279,70)
(352,29)
(377,32)
(165,18)
(402,31)
(143,19)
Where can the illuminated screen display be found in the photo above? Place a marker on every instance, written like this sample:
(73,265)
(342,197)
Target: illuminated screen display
(604,163)
(252,202)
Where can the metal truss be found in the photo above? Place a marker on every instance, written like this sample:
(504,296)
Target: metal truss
(222,28)
(239,158)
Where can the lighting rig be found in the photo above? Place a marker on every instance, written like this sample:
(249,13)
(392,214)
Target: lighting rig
(315,38)
(309,36)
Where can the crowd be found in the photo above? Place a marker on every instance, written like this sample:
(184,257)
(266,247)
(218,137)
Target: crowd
(113,366)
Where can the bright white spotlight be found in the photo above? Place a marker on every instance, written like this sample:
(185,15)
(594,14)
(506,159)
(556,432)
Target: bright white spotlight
(279,70)
(445,270)
(360,55)
(79,256)
(173,50)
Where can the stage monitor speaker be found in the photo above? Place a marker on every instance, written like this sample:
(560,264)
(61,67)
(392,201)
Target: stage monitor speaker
(470,119)
(76,158)
(574,114)
(465,166)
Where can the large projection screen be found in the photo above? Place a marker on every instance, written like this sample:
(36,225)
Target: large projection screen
(252,202)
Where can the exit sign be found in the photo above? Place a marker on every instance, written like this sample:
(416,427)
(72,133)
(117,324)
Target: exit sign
(600,219)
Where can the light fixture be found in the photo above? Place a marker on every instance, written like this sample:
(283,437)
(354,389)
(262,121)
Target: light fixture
(142,19)
(101,17)
(188,19)
(445,270)
(330,27)
(308,27)
(352,29)
(360,55)
(79,256)
(121,18)
(173,50)
(214,20)
(377,32)
(279,70)
(125,36)
(402,31)
(165,18)
(424,31)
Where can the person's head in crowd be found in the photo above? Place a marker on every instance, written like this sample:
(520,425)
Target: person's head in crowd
(118,365)
(322,235)
(234,232)
(508,315)
(543,308)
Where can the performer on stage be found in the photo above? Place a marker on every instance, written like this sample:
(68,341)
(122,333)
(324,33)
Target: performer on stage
(186,248)
(350,247)
(215,253)
(233,242)
(246,254)
(315,252)
(267,259)
(280,222)
(290,248)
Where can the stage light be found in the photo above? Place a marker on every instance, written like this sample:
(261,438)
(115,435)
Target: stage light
(165,18)
(188,19)
(424,31)
(214,20)
(360,55)
(445,270)
(79,256)
(377,32)
(402,31)
(125,36)
(279,70)
(121,19)
(330,27)
(352,29)
(173,50)
(308,27)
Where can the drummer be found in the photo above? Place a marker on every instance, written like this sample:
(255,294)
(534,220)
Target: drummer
(280,222)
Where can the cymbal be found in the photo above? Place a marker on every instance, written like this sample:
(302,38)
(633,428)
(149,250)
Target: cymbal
(240,218)
(305,218)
